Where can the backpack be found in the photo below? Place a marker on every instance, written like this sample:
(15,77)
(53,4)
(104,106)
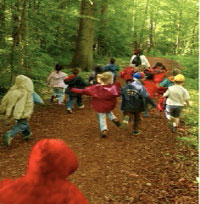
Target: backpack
(132,101)
(137,60)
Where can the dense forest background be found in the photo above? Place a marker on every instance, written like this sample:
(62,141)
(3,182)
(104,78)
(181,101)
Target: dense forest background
(35,34)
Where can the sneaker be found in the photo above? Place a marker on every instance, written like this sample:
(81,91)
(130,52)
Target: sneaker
(136,132)
(104,133)
(125,121)
(81,107)
(116,122)
(69,110)
(7,139)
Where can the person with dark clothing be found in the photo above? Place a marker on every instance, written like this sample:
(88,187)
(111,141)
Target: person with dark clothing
(111,67)
(134,97)
(74,81)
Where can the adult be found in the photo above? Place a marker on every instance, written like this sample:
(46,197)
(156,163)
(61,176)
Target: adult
(139,59)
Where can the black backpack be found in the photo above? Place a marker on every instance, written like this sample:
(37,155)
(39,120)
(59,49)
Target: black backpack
(136,60)
(132,101)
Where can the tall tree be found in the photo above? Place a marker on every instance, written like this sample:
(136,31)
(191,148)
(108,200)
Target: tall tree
(83,55)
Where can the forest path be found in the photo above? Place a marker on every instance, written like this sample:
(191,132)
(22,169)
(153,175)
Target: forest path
(151,168)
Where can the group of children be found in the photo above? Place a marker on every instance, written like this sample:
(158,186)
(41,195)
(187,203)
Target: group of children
(51,160)
(142,85)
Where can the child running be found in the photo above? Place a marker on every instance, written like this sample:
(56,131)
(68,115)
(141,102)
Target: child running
(104,99)
(111,67)
(55,81)
(176,97)
(134,97)
(151,89)
(51,161)
(18,104)
(74,81)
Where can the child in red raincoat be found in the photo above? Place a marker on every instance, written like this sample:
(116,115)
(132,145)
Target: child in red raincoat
(126,73)
(51,162)
(104,98)
(159,71)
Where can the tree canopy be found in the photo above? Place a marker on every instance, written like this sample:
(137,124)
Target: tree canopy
(34,35)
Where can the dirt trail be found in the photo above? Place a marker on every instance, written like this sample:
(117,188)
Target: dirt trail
(151,168)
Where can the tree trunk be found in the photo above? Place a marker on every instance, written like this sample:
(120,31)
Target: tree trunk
(2,23)
(83,55)
(18,24)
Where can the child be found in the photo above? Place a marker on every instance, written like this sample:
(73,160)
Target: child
(169,81)
(103,100)
(176,97)
(55,81)
(112,68)
(134,97)
(139,59)
(74,81)
(151,89)
(51,161)
(18,104)
(97,69)
(126,73)
(159,71)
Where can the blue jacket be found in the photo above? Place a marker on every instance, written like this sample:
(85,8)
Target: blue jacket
(135,97)
(112,68)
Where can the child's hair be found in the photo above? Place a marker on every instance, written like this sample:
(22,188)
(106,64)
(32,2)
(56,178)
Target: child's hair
(137,51)
(158,64)
(149,76)
(75,70)
(58,67)
(141,68)
(106,78)
(112,60)
(98,69)
(163,67)
(175,72)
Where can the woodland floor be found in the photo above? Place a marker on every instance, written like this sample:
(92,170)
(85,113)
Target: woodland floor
(151,168)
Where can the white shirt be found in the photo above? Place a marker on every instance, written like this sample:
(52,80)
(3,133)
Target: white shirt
(144,60)
(177,95)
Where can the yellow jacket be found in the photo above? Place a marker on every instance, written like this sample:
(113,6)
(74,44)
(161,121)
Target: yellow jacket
(18,101)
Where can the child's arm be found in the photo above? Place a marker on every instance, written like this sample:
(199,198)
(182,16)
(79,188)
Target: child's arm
(81,91)
(188,103)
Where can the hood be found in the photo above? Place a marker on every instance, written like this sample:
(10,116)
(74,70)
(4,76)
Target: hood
(105,92)
(24,82)
(51,159)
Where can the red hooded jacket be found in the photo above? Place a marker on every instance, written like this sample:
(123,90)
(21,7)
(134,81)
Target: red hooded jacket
(151,87)
(126,73)
(104,97)
(51,161)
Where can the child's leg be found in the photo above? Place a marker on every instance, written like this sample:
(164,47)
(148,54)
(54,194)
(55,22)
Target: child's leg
(125,120)
(102,124)
(21,126)
(70,102)
(60,94)
(113,118)
(175,113)
(137,121)
(79,102)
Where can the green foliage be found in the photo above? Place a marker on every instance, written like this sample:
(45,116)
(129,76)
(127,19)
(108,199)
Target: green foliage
(190,115)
